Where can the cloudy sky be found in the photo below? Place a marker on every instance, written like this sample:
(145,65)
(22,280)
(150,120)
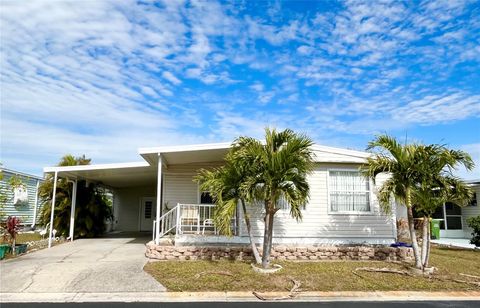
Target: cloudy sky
(103,78)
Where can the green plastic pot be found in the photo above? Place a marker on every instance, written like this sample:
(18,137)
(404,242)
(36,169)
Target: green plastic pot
(4,248)
(20,248)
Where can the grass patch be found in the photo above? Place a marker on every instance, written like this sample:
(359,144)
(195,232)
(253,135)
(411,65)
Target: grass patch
(314,276)
(23,238)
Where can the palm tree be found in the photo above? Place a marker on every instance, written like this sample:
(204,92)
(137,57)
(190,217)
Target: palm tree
(401,162)
(279,169)
(420,177)
(438,186)
(92,205)
(224,184)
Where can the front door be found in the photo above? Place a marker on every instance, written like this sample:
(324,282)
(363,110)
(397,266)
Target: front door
(148,211)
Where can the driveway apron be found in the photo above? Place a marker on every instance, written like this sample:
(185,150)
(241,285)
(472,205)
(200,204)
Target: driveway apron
(85,265)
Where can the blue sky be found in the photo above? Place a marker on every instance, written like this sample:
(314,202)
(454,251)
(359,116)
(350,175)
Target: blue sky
(103,78)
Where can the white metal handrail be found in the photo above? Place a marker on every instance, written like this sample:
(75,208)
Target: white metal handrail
(153,233)
(167,222)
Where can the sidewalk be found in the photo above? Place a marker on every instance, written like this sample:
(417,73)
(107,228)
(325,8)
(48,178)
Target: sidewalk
(236,296)
(454,242)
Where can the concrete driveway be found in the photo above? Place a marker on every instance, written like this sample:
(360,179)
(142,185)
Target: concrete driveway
(111,264)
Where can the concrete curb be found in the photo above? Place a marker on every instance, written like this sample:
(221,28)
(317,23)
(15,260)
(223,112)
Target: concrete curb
(236,296)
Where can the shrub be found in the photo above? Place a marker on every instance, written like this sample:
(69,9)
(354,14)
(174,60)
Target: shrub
(13,226)
(474,223)
(92,209)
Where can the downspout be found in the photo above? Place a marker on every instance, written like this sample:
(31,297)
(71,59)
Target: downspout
(34,220)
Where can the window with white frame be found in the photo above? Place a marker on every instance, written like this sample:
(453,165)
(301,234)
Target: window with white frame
(349,191)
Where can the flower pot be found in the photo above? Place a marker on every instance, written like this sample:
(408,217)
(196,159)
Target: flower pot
(4,249)
(108,226)
(20,248)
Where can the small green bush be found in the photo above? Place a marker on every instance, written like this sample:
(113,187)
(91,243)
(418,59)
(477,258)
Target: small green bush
(474,223)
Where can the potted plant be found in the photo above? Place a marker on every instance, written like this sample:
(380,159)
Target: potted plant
(13,226)
(4,248)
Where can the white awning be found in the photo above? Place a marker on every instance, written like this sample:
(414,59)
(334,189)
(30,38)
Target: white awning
(186,154)
(112,175)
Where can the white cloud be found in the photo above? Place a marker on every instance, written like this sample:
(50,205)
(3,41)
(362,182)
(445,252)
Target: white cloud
(170,77)
(257,86)
(439,109)
(305,50)
(474,151)
(100,77)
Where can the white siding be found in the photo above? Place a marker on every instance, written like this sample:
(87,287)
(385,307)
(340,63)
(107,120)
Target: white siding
(179,185)
(127,206)
(179,188)
(23,211)
(326,157)
(471,211)
(319,226)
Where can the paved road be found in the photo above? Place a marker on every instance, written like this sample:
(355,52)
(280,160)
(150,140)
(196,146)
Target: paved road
(429,304)
(113,264)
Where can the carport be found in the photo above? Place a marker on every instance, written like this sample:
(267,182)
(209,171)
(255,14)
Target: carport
(113,176)
(143,183)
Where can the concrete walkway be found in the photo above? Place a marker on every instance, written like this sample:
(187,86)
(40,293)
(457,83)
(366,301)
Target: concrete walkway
(113,264)
(454,242)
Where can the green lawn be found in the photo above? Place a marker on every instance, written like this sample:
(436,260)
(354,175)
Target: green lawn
(315,276)
(24,238)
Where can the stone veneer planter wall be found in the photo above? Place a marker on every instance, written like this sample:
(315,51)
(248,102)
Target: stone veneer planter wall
(182,253)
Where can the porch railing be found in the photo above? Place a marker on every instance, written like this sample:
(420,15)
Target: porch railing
(168,222)
(195,219)
(190,219)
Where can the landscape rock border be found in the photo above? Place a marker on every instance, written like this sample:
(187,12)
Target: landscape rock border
(280,253)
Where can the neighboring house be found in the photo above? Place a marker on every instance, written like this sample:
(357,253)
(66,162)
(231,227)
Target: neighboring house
(20,196)
(453,217)
(343,207)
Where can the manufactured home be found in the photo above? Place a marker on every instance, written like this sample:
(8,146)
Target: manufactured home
(159,195)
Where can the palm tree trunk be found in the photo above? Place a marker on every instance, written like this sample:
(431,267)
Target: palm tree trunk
(267,235)
(427,253)
(255,252)
(425,234)
(413,235)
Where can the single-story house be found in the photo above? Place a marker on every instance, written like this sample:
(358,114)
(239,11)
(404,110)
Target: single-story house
(19,193)
(159,195)
(453,218)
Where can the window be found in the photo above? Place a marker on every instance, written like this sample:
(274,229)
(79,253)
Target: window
(148,209)
(453,215)
(349,192)
(206,198)
(439,215)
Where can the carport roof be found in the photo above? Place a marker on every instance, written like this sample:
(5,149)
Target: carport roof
(186,154)
(141,173)
(113,175)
